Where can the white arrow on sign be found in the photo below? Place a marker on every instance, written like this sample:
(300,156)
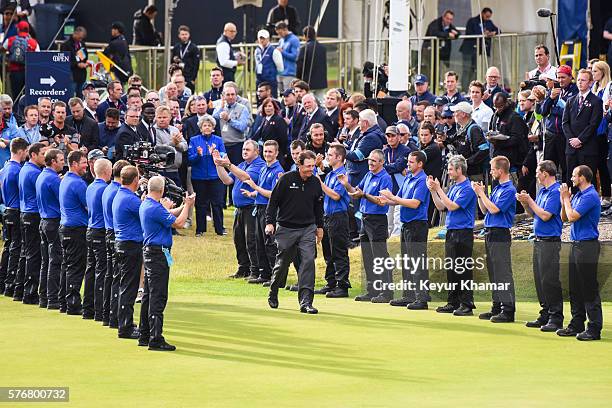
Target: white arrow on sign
(48,81)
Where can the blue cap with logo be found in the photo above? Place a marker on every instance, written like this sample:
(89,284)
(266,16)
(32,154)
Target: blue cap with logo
(420,79)
(447,112)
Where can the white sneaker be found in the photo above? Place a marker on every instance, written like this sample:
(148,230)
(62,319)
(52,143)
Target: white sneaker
(208,218)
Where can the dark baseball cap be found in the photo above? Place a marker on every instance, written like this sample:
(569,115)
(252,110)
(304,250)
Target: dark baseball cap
(420,79)
(288,92)
(95,154)
(441,100)
(447,112)
(88,84)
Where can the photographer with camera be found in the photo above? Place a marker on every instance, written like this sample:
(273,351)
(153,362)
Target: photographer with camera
(157,218)
(470,141)
(167,135)
(128,134)
(371,89)
(58,134)
(560,90)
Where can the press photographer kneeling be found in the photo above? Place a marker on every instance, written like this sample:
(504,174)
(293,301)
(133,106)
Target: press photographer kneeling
(157,218)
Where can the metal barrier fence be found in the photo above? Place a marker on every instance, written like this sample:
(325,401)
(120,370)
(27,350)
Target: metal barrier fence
(512,53)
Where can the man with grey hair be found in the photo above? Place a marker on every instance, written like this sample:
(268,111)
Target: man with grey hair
(93,299)
(313,113)
(460,203)
(157,218)
(168,135)
(374,232)
(403,110)
(244,220)
(233,118)
(10,127)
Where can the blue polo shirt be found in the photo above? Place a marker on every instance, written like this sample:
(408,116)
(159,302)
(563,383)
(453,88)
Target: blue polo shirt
(372,184)
(156,223)
(253,169)
(73,203)
(94,203)
(464,196)
(415,187)
(548,199)
(587,204)
(504,198)
(126,217)
(267,179)
(47,193)
(10,184)
(203,167)
(110,191)
(331,206)
(27,187)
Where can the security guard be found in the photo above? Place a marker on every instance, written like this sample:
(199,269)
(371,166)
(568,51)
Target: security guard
(244,219)
(10,197)
(262,190)
(374,229)
(47,197)
(336,227)
(128,247)
(547,225)
(93,301)
(73,228)
(583,211)
(413,197)
(111,279)
(460,202)
(30,221)
(157,221)
(499,212)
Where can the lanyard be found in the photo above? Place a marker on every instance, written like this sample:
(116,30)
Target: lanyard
(183,52)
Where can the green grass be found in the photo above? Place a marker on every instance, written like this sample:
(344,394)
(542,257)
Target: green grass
(234,351)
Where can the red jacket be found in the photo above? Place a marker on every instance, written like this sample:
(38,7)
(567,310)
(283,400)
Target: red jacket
(32,46)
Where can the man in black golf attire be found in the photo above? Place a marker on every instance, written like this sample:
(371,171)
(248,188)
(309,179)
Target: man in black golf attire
(295,215)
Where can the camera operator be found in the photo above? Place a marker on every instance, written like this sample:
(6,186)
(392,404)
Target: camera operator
(368,79)
(128,249)
(167,135)
(560,90)
(57,133)
(470,141)
(128,133)
(157,218)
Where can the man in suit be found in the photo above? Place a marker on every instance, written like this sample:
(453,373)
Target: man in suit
(128,133)
(312,63)
(333,99)
(85,126)
(314,114)
(581,117)
(75,45)
(146,126)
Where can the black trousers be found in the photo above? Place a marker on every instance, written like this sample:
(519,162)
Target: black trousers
(499,266)
(373,239)
(266,245)
(31,249)
(574,160)
(292,241)
(546,278)
(584,287)
(93,299)
(51,261)
(335,250)
(602,166)
(12,246)
(244,241)
(111,282)
(129,262)
(155,296)
(414,247)
(209,194)
(74,247)
(354,223)
(554,149)
(459,246)
(3,259)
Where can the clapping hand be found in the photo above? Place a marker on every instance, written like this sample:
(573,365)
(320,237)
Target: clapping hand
(478,187)
(190,199)
(523,197)
(432,183)
(212,148)
(564,191)
(224,115)
(248,193)
(386,193)
(200,150)
(249,182)
(357,193)
(342,179)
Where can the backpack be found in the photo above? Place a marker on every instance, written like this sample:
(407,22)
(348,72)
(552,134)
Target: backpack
(18,50)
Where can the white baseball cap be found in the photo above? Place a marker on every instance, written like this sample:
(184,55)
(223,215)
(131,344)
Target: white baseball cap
(263,34)
(462,107)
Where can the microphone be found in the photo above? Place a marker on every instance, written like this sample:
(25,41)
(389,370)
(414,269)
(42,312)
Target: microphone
(544,12)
